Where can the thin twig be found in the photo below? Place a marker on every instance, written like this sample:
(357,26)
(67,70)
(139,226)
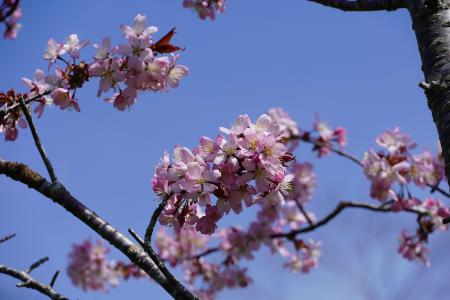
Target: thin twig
(30,282)
(204,253)
(37,141)
(334,213)
(154,218)
(37,264)
(437,188)
(303,211)
(332,149)
(7,238)
(55,276)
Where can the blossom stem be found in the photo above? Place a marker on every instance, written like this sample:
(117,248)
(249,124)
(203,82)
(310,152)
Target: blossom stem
(37,142)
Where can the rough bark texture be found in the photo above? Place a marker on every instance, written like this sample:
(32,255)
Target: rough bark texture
(60,195)
(431,23)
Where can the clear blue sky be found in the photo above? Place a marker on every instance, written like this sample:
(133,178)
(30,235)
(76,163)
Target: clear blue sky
(358,70)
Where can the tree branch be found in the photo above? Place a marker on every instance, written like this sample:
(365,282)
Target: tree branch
(7,238)
(334,213)
(154,218)
(55,276)
(363,5)
(58,193)
(37,264)
(307,139)
(11,11)
(37,141)
(303,211)
(30,282)
(149,249)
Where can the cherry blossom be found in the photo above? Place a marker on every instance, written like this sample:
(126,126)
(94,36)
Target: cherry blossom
(206,8)
(126,69)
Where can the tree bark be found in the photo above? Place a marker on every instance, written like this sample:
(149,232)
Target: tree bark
(58,193)
(431,23)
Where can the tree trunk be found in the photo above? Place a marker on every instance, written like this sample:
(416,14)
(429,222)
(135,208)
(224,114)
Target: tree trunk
(431,23)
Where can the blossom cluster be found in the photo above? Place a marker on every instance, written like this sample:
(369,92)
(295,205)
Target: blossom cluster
(90,268)
(251,164)
(10,13)
(248,166)
(126,69)
(205,8)
(243,168)
(395,164)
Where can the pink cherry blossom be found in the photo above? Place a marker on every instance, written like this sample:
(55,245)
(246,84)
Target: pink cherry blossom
(206,9)
(89,267)
(73,45)
(413,248)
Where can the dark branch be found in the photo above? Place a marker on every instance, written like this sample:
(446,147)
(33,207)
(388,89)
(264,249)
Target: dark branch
(205,253)
(339,152)
(154,218)
(55,276)
(363,5)
(437,188)
(37,142)
(303,211)
(37,264)
(31,283)
(10,11)
(7,238)
(333,214)
(162,267)
(58,193)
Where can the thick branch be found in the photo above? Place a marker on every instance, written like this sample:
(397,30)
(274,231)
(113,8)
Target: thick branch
(431,21)
(363,5)
(30,282)
(162,267)
(58,193)
(333,214)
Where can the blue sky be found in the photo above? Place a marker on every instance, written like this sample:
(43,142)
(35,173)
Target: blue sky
(357,70)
